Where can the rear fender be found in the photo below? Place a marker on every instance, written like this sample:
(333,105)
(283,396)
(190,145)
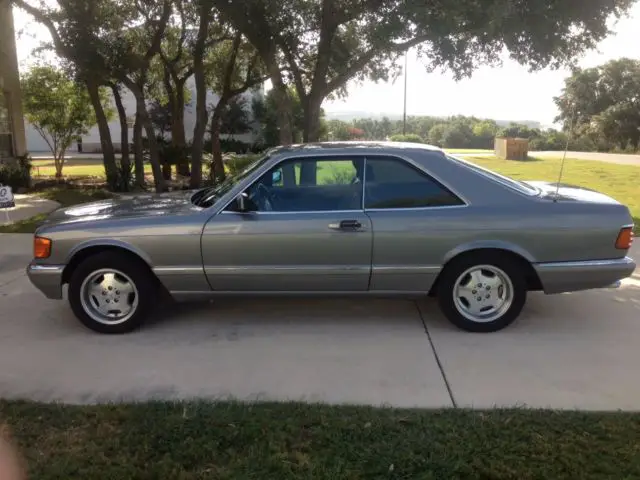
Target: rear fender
(494,244)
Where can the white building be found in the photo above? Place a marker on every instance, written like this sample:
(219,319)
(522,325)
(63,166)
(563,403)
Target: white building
(91,142)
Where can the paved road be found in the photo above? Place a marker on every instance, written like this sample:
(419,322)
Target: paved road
(568,351)
(600,157)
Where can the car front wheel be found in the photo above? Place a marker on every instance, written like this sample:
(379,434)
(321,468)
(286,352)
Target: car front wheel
(482,293)
(110,293)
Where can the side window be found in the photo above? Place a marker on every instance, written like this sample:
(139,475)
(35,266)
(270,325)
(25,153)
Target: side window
(393,183)
(310,184)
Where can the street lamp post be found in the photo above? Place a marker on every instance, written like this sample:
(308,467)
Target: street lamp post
(404,113)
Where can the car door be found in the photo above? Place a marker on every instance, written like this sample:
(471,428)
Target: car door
(307,232)
(414,219)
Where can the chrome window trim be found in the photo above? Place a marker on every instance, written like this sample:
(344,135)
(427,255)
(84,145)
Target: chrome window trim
(415,209)
(292,213)
(495,177)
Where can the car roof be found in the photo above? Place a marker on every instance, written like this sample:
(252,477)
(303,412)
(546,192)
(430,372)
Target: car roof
(351,146)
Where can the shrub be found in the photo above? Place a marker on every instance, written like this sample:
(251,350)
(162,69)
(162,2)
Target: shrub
(409,137)
(237,163)
(229,145)
(16,174)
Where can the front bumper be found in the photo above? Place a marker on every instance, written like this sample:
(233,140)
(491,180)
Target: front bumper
(560,277)
(47,279)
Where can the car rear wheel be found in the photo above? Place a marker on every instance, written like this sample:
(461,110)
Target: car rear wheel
(110,293)
(482,293)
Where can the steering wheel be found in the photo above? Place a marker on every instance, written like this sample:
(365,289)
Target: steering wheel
(264,198)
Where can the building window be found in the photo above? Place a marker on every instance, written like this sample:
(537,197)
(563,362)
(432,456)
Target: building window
(6,138)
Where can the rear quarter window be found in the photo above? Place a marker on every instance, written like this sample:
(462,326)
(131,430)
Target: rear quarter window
(392,183)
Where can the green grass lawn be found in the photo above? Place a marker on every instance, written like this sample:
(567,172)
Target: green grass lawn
(73,167)
(65,196)
(621,182)
(292,441)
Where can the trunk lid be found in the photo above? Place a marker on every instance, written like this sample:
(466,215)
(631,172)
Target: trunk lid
(571,193)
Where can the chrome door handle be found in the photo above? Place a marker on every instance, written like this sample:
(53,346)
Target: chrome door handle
(346,225)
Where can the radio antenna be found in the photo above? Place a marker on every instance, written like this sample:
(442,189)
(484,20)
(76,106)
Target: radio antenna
(566,149)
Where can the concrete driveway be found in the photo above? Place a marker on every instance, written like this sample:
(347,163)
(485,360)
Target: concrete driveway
(567,351)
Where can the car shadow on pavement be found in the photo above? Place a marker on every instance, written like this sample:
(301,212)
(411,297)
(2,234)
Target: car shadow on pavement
(290,315)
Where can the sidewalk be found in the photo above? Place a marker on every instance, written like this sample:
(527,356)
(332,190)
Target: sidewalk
(26,207)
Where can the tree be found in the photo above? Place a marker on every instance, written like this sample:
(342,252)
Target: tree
(338,130)
(604,102)
(436,134)
(484,133)
(326,43)
(235,117)
(266,113)
(129,60)
(409,137)
(73,25)
(233,67)
(59,109)
(173,68)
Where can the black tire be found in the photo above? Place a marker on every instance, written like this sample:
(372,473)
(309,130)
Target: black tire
(145,284)
(454,269)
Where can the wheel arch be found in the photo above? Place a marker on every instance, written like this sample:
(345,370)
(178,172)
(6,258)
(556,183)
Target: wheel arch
(520,256)
(88,249)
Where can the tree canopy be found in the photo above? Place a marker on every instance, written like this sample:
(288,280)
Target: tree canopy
(59,109)
(323,44)
(604,102)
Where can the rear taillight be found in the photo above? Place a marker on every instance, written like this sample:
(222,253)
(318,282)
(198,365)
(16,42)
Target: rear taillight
(625,238)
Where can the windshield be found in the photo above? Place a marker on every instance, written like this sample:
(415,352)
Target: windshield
(522,187)
(208,196)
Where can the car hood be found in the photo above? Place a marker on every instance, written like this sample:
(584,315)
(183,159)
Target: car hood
(174,203)
(568,192)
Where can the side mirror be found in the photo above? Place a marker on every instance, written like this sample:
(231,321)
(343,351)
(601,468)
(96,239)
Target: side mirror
(245,204)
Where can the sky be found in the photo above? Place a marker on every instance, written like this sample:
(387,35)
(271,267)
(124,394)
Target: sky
(508,92)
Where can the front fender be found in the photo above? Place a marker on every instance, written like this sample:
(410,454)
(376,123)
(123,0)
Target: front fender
(108,242)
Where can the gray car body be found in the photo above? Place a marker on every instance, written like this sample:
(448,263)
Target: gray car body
(564,245)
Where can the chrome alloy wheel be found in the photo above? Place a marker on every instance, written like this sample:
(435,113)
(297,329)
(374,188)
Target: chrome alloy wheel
(109,296)
(483,293)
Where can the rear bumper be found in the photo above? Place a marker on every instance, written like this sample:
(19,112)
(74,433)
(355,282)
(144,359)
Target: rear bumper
(560,277)
(47,279)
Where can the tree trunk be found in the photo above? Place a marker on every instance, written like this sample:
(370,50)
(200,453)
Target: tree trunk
(177,131)
(154,152)
(57,161)
(283,101)
(108,153)
(311,132)
(166,168)
(138,152)
(216,149)
(197,144)
(125,161)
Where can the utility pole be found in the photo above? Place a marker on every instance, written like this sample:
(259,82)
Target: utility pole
(404,114)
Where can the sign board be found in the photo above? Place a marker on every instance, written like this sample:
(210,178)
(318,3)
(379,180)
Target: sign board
(6,197)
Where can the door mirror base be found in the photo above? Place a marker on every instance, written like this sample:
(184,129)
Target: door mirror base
(244,204)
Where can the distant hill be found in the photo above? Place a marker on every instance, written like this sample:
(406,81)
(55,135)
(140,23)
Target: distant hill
(352,115)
